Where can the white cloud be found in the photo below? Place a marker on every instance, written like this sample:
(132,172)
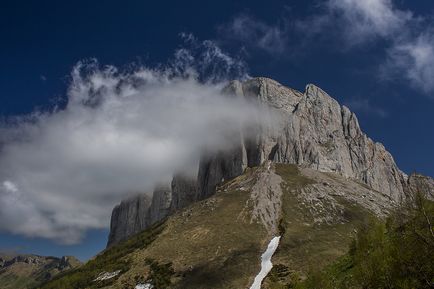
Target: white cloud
(408,39)
(413,59)
(363,20)
(120,133)
(364,105)
(256,33)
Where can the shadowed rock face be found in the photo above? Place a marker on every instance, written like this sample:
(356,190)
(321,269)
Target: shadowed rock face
(129,218)
(184,191)
(310,129)
(160,206)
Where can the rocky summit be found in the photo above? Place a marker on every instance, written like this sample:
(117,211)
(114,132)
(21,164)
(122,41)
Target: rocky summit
(309,129)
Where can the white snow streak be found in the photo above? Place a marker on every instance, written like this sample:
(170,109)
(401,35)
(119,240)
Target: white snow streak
(107,275)
(144,286)
(266,264)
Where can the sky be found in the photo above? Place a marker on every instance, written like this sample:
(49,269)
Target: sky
(64,66)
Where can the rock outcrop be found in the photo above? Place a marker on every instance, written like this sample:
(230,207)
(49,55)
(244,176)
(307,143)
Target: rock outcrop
(309,129)
(160,206)
(421,184)
(184,191)
(129,218)
(313,131)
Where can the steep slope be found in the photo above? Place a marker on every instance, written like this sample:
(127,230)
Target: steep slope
(217,242)
(309,129)
(26,271)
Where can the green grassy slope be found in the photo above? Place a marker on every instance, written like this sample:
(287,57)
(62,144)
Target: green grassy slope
(398,253)
(306,246)
(215,244)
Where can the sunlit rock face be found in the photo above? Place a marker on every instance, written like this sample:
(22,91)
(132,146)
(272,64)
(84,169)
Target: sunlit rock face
(310,129)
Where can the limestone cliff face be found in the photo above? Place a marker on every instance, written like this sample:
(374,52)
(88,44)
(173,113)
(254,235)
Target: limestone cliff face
(313,131)
(310,129)
(129,218)
(421,184)
(184,191)
(160,206)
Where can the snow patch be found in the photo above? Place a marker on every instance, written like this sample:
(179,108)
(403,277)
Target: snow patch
(144,286)
(107,275)
(266,264)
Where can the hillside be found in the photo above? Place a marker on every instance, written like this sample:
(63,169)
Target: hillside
(27,271)
(217,242)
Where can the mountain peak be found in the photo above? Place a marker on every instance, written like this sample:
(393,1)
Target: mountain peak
(313,131)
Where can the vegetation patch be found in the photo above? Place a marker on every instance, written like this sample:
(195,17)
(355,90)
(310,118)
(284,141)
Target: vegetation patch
(306,246)
(160,274)
(398,253)
(111,260)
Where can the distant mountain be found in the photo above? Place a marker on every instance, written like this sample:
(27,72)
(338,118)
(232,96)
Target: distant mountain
(26,270)
(312,178)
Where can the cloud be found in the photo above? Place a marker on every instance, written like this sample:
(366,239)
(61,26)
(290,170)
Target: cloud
(407,39)
(368,19)
(365,106)
(255,33)
(413,59)
(120,132)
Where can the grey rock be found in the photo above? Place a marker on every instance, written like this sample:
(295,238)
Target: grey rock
(139,212)
(314,131)
(129,218)
(215,169)
(424,185)
(184,191)
(160,206)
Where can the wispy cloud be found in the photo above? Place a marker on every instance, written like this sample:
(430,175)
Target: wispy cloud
(121,132)
(253,32)
(362,21)
(365,106)
(413,59)
(407,39)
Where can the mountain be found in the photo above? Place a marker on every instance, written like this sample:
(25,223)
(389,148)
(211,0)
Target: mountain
(309,176)
(26,270)
(312,130)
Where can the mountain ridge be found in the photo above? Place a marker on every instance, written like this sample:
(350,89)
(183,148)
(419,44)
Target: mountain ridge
(313,131)
(27,270)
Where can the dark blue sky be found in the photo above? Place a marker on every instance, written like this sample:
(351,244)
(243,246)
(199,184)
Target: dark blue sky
(293,42)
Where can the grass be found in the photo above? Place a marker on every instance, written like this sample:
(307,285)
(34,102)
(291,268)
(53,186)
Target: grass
(210,244)
(12,281)
(110,260)
(215,244)
(396,253)
(306,246)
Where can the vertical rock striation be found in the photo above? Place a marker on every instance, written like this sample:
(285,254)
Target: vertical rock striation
(129,218)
